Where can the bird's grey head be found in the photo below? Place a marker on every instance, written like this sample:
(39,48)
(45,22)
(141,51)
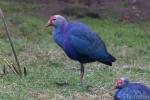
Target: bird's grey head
(56,21)
(119,83)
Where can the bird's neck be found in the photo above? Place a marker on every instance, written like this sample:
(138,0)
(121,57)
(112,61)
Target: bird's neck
(60,30)
(61,27)
(58,33)
(123,85)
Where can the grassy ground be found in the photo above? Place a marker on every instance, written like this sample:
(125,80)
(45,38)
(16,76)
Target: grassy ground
(47,64)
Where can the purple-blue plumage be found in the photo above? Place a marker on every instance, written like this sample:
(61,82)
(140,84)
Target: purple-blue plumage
(126,90)
(79,42)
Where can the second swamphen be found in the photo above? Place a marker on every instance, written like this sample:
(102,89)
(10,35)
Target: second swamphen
(126,90)
(79,42)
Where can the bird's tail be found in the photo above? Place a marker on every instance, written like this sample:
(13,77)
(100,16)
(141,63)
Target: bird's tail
(111,58)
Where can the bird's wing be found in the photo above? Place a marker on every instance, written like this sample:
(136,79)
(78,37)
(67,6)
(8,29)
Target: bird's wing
(144,89)
(134,92)
(127,94)
(86,42)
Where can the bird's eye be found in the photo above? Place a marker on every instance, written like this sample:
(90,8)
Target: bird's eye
(54,19)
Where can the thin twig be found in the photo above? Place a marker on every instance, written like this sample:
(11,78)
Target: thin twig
(25,71)
(4,69)
(11,43)
(9,65)
(15,69)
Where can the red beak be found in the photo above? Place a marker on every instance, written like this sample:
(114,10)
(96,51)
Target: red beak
(48,24)
(115,86)
(117,83)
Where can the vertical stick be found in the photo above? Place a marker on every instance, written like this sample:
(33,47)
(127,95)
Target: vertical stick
(11,43)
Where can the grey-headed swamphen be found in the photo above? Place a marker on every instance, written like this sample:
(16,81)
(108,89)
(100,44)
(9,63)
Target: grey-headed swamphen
(79,42)
(126,90)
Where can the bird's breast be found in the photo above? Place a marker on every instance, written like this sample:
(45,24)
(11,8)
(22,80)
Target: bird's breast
(71,53)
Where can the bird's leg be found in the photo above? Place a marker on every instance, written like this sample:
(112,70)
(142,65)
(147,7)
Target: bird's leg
(81,74)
